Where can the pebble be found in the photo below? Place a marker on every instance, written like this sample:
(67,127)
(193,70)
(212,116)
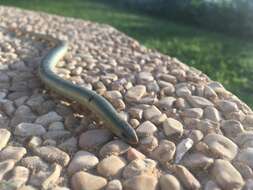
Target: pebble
(5,136)
(52,154)
(141,182)
(183,92)
(193,113)
(197,161)
(133,154)
(20,176)
(211,185)
(94,138)
(115,147)
(13,153)
(245,156)
(22,114)
(196,136)
(111,167)
(221,147)
(35,101)
(8,107)
(86,181)
(172,127)
(231,128)
(36,179)
(186,177)
(5,167)
(57,135)
(166,103)
(82,160)
(139,167)
(114,185)
(169,181)
(182,148)
(151,112)
(135,93)
(29,129)
(52,179)
(209,93)
(244,139)
(34,163)
(248,185)
(146,129)
(248,121)
(48,118)
(165,151)
(112,95)
(69,145)
(56,126)
(134,123)
(244,169)
(136,113)
(199,102)
(225,175)
(212,114)
(148,144)
(227,106)
(34,142)
(144,77)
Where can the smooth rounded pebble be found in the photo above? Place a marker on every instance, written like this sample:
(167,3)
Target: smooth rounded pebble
(86,181)
(48,118)
(227,106)
(221,146)
(94,138)
(138,167)
(246,156)
(199,102)
(146,129)
(225,175)
(51,180)
(165,151)
(20,176)
(169,182)
(135,93)
(141,182)
(244,139)
(231,128)
(196,161)
(13,153)
(5,136)
(82,161)
(186,177)
(133,154)
(5,167)
(172,127)
(151,112)
(34,163)
(115,147)
(53,154)
(111,166)
(212,114)
(182,148)
(193,113)
(211,185)
(29,129)
(114,185)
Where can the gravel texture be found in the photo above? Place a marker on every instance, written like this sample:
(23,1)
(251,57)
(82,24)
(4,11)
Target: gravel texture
(194,134)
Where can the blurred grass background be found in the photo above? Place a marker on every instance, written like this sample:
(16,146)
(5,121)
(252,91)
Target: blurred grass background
(227,59)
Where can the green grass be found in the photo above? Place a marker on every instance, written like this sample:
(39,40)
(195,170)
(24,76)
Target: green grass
(222,58)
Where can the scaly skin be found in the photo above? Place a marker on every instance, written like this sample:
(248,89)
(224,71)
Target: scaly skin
(88,98)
